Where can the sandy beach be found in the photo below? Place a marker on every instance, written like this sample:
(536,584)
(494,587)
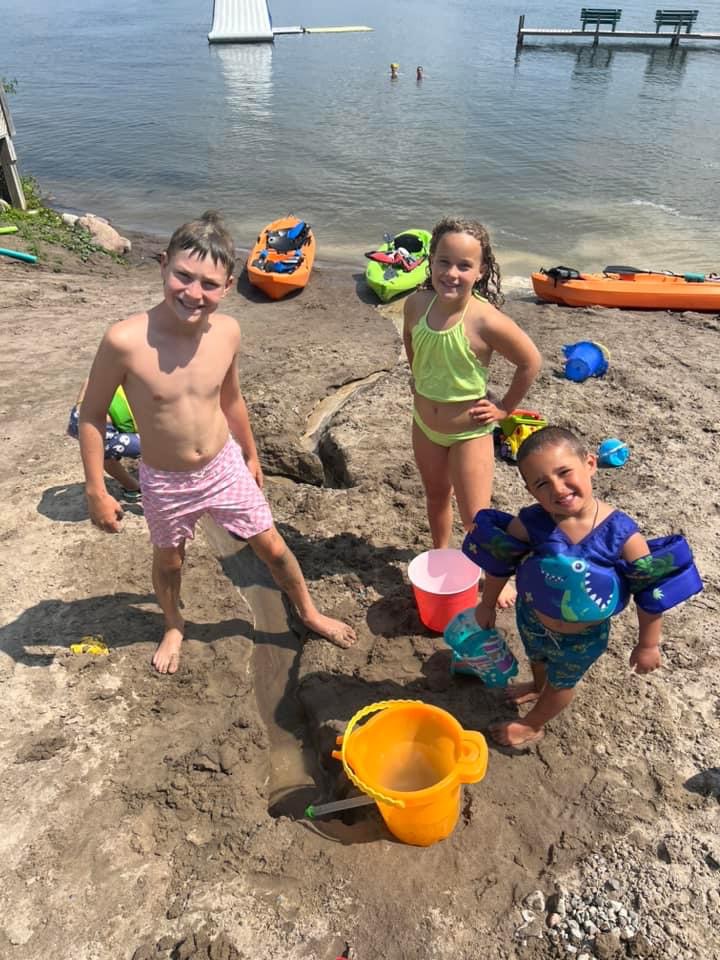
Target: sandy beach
(161,817)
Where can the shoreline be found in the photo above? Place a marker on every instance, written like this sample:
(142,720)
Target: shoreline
(516,288)
(626,236)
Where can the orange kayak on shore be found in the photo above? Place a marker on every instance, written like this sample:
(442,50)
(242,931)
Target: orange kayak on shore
(282,258)
(641,290)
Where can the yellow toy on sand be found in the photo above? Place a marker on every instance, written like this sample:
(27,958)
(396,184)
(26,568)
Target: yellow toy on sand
(516,428)
(93,643)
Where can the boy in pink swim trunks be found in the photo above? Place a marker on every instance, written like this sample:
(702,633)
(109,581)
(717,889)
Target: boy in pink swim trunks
(177,365)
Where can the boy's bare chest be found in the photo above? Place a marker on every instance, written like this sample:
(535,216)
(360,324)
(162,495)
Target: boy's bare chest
(182,370)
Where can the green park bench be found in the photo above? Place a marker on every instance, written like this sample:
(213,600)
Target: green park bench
(675,18)
(598,15)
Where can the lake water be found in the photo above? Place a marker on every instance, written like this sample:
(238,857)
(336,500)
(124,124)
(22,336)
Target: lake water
(569,154)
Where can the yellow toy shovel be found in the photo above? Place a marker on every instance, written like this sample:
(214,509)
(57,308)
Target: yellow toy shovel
(93,643)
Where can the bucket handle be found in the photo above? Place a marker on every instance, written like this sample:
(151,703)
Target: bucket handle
(604,350)
(473,762)
(342,742)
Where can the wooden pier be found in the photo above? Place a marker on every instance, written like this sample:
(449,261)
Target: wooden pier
(674,37)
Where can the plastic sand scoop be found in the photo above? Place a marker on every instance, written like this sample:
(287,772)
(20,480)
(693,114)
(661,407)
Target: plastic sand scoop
(412,759)
(444,583)
(315,810)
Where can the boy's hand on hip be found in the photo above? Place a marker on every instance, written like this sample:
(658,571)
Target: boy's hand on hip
(485,411)
(645,659)
(105,512)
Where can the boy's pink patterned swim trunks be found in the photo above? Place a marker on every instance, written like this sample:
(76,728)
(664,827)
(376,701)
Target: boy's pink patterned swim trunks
(174,501)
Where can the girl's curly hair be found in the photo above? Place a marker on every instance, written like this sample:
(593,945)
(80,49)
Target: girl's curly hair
(488,284)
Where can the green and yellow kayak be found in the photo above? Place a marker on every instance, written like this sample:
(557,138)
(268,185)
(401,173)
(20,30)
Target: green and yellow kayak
(398,265)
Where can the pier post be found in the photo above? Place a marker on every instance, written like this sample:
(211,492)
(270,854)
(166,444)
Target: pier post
(519,40)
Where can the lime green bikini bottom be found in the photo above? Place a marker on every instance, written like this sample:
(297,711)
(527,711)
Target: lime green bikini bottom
(448,439)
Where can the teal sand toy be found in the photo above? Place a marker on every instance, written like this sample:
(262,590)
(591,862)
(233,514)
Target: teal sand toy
(479,653)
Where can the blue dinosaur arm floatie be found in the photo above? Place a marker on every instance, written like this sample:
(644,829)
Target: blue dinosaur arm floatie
(491,547)
(665,577)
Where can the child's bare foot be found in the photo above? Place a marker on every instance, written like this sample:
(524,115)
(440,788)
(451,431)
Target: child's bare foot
(166,658)
(521,693)
(337,632)
(507,597)
(515,733)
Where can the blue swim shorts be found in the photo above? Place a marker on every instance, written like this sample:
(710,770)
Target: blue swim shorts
(117,444)
(566,656)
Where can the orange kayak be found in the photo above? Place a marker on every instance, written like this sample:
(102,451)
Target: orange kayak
(637,291)
(282,257)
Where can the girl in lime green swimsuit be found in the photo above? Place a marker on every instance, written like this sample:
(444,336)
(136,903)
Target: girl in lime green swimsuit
(451,330)
(446,370)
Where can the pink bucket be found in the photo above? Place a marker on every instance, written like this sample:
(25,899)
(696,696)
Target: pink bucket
(444,582)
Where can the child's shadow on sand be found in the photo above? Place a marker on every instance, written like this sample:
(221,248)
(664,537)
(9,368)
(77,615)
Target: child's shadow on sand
(66,503)
(348,553)
(381,569)
(395,614)
(119,618)
(706,783)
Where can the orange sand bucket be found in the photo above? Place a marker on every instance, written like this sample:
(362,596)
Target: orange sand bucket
(412,759)
(445,583)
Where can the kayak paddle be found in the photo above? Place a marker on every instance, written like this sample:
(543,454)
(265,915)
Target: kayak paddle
(613,269)
(688,277)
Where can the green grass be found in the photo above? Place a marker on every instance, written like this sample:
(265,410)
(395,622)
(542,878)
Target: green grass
(39,226)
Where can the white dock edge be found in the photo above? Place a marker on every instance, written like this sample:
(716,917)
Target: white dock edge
(241,21)
(338,29)
(281,31)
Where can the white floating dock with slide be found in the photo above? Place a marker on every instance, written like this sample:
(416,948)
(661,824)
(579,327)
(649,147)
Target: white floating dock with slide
(249,21)
(241,21)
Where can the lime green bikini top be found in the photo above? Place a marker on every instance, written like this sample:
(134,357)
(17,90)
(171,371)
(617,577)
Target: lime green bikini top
(120,413)
(444,366)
